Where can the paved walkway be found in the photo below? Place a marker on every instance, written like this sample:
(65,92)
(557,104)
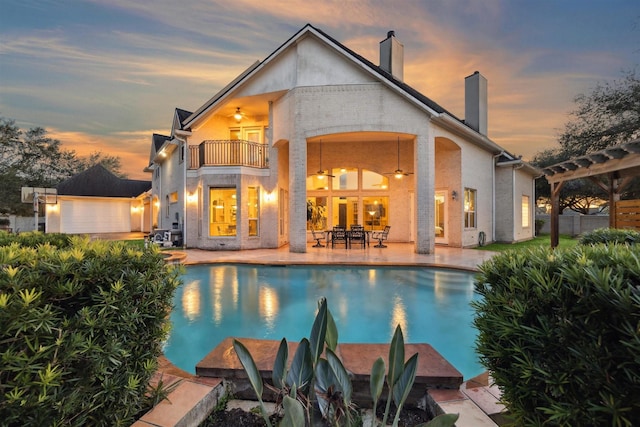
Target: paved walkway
(395,254)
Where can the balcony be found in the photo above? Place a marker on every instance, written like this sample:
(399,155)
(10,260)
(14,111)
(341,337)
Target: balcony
(228,153)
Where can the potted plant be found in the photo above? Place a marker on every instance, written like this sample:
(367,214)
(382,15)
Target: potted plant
(316,215)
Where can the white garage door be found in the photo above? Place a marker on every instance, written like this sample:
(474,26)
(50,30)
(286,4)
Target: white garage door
(95,216)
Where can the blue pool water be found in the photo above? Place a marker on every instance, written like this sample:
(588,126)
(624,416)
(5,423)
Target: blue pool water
(271,302)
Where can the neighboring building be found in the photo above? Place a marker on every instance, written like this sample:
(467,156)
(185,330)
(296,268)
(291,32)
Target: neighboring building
(97,201)
(314,135)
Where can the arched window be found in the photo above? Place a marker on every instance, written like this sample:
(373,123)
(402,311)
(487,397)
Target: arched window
(374,181)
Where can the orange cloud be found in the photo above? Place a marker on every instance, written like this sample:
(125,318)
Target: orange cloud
(131,147)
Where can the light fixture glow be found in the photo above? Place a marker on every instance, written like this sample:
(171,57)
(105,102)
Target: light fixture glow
(237,115)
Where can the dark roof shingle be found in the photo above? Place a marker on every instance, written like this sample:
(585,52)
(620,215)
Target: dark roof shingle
(97,181)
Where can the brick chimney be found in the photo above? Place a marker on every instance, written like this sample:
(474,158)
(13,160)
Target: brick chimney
(475,102)
(392,56)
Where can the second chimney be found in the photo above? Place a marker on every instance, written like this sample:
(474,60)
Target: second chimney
(392,56)
(475,102)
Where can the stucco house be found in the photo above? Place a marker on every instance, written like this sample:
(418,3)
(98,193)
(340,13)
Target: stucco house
(97,201)
(315,135)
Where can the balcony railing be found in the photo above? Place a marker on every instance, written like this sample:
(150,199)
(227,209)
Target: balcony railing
(228,153)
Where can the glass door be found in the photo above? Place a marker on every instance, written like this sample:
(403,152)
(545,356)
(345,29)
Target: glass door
(441,217)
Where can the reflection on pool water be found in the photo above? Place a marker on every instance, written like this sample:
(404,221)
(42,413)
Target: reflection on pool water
(271,302)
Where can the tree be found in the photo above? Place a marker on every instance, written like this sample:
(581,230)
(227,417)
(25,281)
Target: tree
(32,159)
(610,115)
(577,195)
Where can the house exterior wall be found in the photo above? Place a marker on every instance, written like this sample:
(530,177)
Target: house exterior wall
(511,184)
(344,109)
(523,187)
(314,92)
(241,179)
(477,166)
(168,187)
(449,178)
(505,204)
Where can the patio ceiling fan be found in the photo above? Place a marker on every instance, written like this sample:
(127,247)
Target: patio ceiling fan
(321,173)
(399,173)
(238,115)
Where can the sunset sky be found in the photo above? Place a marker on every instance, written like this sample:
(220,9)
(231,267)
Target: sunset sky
(105,75)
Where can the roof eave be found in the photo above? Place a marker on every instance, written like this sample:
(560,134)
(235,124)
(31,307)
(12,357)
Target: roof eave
(453,124)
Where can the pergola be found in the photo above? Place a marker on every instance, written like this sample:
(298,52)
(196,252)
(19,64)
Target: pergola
(618,164)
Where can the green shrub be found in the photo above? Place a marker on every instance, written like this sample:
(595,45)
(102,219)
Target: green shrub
(80,330)
(610,236)
(35,238)
(559,332)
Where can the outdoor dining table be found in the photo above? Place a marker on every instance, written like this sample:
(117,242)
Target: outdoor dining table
(367,237)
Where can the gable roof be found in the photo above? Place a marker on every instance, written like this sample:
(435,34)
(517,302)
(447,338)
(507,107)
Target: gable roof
(182,114)
(97,181)
(439,113)
(157,141)
(388,76)
(384,76)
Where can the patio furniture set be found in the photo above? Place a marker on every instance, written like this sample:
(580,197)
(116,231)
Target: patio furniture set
(356,234)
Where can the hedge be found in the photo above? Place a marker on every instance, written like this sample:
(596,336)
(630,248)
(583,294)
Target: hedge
(81,327)
(610,236)
(559,332)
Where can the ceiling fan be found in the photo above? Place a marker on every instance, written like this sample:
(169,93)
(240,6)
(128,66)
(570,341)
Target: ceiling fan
(321,174)
(399,173)
(238,115)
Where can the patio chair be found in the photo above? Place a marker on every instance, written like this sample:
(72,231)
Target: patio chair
(357,234)
(339,235)
(381,236)
(317,236)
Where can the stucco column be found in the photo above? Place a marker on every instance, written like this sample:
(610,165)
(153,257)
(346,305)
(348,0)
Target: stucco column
(298,195)
(425,192)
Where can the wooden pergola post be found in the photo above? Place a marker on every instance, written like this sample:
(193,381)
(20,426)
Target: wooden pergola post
(555,213)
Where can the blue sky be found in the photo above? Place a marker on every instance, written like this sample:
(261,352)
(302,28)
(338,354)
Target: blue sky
(105,75)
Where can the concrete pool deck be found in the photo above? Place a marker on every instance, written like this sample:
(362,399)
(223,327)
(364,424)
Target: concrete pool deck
(396,254)
(475,400)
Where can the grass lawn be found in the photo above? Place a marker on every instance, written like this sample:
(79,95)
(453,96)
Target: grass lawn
(138,243)
(565,241)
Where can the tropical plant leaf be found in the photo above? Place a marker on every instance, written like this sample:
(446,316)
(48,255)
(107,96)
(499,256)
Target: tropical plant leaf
(396,357)
(376,380)
(442,420)
(249,366)
(323,381)
(301,370)
(293,413)
(403,386)
(279,372)
(343,381)
(331,337)
(324,376)
(318,330)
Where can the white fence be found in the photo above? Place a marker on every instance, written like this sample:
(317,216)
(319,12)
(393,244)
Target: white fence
(575,225)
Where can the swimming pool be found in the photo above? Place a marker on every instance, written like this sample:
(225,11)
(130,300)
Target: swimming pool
(271,302)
